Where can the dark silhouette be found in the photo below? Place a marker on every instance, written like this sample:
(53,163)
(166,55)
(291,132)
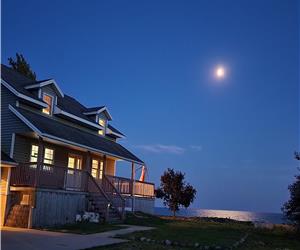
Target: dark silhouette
(174,191)
(20,64)
(291,209)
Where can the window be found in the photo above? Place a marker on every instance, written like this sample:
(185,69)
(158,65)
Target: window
(101,132)
(97,169)
(48,156)
(34,153)
(49,100)
(101,122)
(75,162)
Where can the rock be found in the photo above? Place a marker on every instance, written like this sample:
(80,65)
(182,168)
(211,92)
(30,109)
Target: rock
(168,242)
(142,238)
(197,244)
(148,240)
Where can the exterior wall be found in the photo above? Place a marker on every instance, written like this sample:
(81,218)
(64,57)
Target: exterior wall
(23,148)
(141,204)
(10,123)
(4,192)
(110,167)
(53,207)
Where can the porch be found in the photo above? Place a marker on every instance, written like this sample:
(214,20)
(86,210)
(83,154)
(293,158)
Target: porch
(50,176)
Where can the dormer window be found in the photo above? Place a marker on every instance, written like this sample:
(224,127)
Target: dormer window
(101,122)
(49,100)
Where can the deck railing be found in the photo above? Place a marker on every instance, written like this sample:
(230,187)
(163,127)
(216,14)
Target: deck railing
(57,177)
(48,176)
(127,186)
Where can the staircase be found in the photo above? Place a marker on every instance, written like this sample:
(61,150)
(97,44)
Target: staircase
(18,216)
(97,203)
(107,204)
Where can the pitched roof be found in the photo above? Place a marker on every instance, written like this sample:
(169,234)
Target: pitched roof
(114,130)
(93,109)
(66,103)
(17,80)
(53,129)
(6,159)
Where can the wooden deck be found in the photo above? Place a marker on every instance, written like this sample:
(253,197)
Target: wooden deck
(57,177)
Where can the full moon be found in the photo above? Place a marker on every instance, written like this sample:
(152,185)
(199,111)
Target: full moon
(220,72)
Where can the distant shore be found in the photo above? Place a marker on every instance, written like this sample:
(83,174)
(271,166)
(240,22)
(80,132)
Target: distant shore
(274,218)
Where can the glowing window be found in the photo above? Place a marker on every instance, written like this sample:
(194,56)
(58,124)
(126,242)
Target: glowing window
(75,162)
(101,122)
(101,132)
(97,169)
(49,100)
(34,153)
(48,156)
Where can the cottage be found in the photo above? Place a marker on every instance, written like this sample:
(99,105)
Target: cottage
(67,157)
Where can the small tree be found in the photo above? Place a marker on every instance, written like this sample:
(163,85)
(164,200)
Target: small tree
(291,209)
(174,191)
(20,64)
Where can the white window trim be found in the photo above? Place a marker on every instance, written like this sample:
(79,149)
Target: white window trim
(100,111)
(52,103)
(45,83)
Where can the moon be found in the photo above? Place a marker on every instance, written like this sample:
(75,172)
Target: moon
(220,72)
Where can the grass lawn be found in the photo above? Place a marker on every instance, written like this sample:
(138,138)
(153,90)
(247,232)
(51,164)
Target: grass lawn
(85,228)
(205,231)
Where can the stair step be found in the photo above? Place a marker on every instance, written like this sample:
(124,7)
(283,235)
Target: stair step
(18,216)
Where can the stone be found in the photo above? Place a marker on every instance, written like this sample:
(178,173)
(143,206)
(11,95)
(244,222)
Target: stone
(197,244)
(168,242)
(142,238)
(148,240)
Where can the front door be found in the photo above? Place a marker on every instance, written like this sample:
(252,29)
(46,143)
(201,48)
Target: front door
(74,177)
(97,170)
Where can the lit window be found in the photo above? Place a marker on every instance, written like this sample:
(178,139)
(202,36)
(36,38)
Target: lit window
(34,153)
(75,162)
(102,122)
(49,100)
(97,169)
(101,132)
(48,159)
(48,156)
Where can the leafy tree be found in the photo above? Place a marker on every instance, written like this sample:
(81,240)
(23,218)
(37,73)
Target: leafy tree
(174,191)
(291,209)
(20,64)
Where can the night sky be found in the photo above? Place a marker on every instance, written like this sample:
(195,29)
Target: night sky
(152,63)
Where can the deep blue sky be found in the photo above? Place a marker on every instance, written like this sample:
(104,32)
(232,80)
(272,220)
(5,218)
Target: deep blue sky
(151,63)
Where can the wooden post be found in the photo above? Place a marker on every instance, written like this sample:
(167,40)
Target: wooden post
(132,185)
(40,160)
(88,168)
(104,164)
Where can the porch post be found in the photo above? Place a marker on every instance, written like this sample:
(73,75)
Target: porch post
(132,185)
(88,168)
(104,164)
(40,160)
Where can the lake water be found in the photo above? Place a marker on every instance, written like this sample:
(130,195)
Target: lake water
(276,218)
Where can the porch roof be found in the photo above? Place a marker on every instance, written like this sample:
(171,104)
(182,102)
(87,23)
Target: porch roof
(53,129)
(5,159)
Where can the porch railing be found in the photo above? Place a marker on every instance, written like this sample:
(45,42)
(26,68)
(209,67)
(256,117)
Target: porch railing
(48,176)
(125,186)
(57,177)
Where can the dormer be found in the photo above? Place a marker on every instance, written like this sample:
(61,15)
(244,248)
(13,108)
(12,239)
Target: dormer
(48,91)
(101,116)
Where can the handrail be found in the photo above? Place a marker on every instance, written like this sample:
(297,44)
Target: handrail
(113,186)
(119,196)
(97,185)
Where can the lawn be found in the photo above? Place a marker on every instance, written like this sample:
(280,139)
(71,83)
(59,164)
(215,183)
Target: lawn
(208,232)
(85,228)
